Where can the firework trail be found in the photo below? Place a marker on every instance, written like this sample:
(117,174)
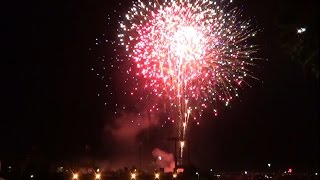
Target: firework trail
(188,53)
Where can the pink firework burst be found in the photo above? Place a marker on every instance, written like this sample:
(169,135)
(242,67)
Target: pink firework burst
(188,53)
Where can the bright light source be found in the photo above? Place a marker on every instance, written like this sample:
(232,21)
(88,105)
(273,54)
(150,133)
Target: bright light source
(180,170)
(301,30)
(197,173)
(160,158)
(316,174)
(60,169)
(75,176)
(133,175)
(98,176)
(289,170)
(210,170)
(31,176)
(157,176)
(245,172)
(182,144)
(174,175)
(98,170)
(269,165)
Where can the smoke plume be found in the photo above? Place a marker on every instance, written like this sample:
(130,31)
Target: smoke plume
(127,148)
(164,160)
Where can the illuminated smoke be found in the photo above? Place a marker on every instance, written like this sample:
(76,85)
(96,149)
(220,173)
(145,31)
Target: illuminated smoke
(166,161)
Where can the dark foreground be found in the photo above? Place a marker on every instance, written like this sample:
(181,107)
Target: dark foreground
(151,176)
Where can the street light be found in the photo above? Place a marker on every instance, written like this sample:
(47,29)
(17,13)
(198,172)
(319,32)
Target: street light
(75,176)
(174,175)
(156,176)
(197,174)
(301,30)
(133,176)
(98,176)
(269,165)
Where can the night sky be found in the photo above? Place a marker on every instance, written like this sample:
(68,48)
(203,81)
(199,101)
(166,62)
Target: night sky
(51,105)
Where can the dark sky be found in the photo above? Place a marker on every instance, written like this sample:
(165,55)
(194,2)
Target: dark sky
(50,103)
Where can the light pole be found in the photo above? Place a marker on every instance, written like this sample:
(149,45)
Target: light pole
(197,174)
(269,168)
(175,140)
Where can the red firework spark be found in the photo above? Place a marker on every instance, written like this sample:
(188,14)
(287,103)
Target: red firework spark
(190,53)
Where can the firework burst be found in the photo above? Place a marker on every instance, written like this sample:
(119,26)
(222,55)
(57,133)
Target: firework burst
(187,53)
